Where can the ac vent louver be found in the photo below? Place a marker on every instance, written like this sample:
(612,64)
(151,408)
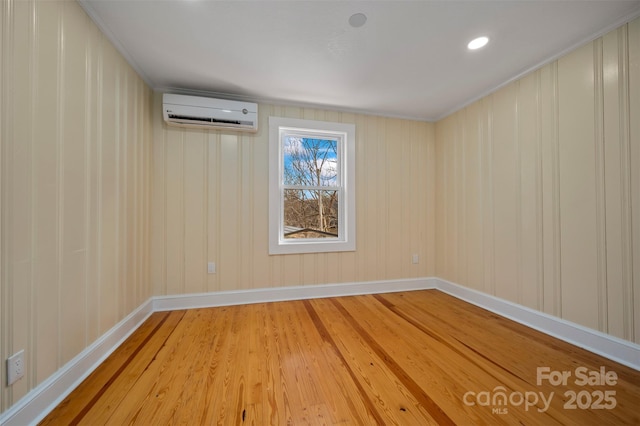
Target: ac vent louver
(194,111)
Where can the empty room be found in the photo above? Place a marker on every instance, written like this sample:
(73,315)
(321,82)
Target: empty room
(320,212)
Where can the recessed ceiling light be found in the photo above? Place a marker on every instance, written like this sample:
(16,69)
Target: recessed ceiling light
(357,20)
(477,43)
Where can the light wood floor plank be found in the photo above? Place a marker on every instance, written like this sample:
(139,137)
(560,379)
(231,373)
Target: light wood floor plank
(425,364)
(518,351)
(118,396)
(408,358)
(394,403)
(102,378)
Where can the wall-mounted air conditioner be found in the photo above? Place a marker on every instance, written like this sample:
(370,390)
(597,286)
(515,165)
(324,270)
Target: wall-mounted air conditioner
(195,111)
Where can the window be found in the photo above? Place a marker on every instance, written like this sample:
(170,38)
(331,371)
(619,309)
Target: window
(311,186)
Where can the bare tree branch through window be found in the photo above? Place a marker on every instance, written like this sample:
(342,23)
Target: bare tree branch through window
(311,193)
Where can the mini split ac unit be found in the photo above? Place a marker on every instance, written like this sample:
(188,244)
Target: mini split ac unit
(195,111)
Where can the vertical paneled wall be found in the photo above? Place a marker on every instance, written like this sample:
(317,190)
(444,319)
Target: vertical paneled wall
(538,194)
(75,172)
(210,203)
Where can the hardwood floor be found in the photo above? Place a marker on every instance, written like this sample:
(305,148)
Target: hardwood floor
(411,358)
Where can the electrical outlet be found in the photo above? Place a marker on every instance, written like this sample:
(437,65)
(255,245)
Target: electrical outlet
(415,259)
(15,367)
(211,268)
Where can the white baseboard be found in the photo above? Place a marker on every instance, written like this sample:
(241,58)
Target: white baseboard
(278,294)
(41,400)
(35,405)
(613,348)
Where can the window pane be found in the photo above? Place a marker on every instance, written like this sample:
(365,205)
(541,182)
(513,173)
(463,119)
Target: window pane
(310,162)
(310,213)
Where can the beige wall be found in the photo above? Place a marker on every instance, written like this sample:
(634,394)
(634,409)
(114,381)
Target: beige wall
(538,195)
(76,140)
(210,203)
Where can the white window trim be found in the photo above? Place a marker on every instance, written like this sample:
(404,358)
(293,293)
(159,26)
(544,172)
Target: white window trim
(347,228)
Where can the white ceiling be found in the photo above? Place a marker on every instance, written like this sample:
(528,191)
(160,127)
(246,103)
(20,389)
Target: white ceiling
(409,59)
